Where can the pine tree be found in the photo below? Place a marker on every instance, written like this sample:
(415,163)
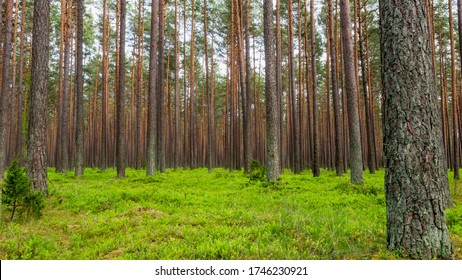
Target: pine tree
(416,173)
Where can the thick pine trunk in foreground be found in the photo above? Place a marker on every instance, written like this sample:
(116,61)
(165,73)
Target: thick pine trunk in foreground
(356,163)
(37,118)
(272,121)
(416,174)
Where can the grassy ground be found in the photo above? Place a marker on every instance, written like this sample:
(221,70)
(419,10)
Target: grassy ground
(196,215)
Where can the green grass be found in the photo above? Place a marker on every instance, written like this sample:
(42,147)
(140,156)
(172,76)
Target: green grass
(188,214)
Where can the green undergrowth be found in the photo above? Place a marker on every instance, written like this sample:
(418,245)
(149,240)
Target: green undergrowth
(193,214)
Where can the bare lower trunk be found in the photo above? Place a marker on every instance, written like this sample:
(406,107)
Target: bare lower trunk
(176,148)
(335,95)
(272,120)
(316,171)
(104,95)
(415,174)
(120,122)
(79,146)
(161,91)
(19,133)
(5,87)
(152,118)
(37,118)
(64,120)
(352,95)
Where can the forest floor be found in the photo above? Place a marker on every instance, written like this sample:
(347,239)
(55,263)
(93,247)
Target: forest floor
(191,214)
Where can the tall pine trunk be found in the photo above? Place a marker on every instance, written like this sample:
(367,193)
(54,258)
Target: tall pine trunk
(20,139)
(339,167)
(293,99)
(369,131)
(192,124)
(177,109)
(151,158)
(5,86)
(161,91)
(352,95)
(416,174)
(247,124)
(279,82)
(38,98)
(139,85)
(315,166)
(104,94)
(120,118)
(272,119)
(64,119)
(80,126)
(14,101)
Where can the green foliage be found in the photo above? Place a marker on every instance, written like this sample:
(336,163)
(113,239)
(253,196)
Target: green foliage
(258,173)
(193,214)
(454,220)
(359,189)
(18,195)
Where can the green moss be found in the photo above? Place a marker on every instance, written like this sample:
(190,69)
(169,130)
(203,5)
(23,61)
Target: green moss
(193,214)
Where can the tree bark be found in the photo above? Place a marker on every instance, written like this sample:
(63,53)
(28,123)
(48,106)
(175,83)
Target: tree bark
(19,126)
(454,85)
(161,91)
(415,174)
(5,86)
(37,117)
(272,118)
(192,126)
(335,93)
(1,31)
(152,100)
(208,94)
(64,119)
(364,76)
(247,117)
(139,85)
(279,81)
(293,100)
(13,100)
(80,126)
(120,146)
(315,166)
(176,149)
(104,93)
(356,165)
